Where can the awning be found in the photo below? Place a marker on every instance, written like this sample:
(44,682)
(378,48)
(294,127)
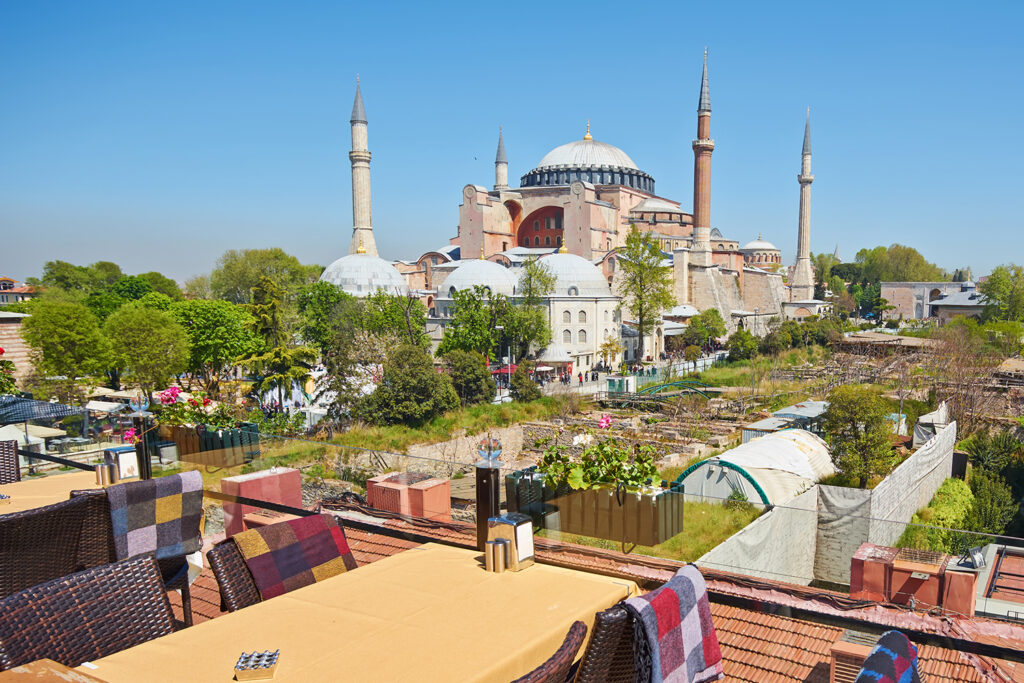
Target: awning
(17,409)
(544,368)
(105,406)
(504,370)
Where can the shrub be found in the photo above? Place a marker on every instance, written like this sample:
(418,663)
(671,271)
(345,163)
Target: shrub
(949,508)
(523,388)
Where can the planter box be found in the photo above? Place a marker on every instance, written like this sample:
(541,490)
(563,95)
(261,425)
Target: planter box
(216,447)
(631,518)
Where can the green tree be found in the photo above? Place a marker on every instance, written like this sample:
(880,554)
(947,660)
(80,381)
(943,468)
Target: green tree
(7,385)
(691,354)
(897,263)
(703,328)
(280,368)
(238,272)
(470,377)
(521,387)
(1004,293)
(219,334)
(161,283)
(102,304)
(610,349)
(823,264)
(104,274)
(66,276)
(198,287)
(742,345)
(775,342)
(646,284)
(148,344)
(155,300)
(320,307)
(398,314)
(472,326)
(411,391)
(536,282)
(994,505)
(131,287)
(858,430)
(65,342)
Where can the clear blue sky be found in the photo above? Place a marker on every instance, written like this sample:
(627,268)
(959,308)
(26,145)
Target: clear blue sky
(157,135)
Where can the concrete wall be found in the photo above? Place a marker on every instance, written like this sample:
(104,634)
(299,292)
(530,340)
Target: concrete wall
(848,517)
(778,545)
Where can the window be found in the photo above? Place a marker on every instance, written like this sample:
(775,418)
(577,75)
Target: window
(536,226)
(558,222)
(536,241)
(574,291)
(433,259)
(566,337)
(558,241)
(611,264)
(547,223)
(566,317)
(504,246)
(606,320)
(581,336)
(547,240)
(583,316)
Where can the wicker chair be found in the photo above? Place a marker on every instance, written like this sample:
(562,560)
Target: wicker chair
(40,544)
(97,547)
(609,654)
(85,616)
(556,669)
(237,589)
(9,470)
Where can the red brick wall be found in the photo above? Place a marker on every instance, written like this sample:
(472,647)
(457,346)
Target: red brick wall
(14,346)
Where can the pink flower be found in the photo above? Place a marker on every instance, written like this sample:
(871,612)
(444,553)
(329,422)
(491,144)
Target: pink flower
(605,422)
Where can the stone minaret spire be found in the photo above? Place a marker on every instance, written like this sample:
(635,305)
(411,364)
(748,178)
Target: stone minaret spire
(500,165)
(802,287)
(703,146)
(362,223)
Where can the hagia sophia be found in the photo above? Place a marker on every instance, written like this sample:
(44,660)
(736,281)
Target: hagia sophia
(573,211)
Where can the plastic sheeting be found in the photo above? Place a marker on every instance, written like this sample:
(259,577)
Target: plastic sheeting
(929,424)
(783,464)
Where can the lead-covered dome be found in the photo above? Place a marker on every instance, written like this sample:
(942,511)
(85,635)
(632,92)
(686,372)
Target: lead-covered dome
(364,274)
(588,161)
(576,276)
(759,245)
(492,275)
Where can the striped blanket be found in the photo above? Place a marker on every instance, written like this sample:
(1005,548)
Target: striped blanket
(892,660)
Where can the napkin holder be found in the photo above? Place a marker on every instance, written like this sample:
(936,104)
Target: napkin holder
(4,499)
(258,666)
(517,529)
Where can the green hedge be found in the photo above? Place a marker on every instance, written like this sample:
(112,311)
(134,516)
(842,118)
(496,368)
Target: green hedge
(949,509)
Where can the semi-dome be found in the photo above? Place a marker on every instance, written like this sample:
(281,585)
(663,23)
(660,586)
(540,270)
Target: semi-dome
(576,276)
(588,161)
(494,276)
(364,274)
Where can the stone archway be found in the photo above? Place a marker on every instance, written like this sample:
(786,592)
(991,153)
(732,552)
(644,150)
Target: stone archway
(542,228)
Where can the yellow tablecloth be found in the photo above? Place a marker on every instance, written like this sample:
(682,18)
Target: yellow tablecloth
(36,492)
(427,614)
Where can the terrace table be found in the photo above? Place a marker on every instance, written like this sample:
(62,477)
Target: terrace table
(34,492)
(430,613)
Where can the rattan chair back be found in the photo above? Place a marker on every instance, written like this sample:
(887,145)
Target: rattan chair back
(40,544)
(10,472)
(556,668)
(237,588)
(86,615)
(609,654)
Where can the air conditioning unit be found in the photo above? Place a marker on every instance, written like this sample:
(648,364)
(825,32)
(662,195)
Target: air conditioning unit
(848,655)
(411,493)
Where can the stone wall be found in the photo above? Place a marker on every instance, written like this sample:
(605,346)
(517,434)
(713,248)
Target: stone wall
(778,545)
(848,517)
(14,346)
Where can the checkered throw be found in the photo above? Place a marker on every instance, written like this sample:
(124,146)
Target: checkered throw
(288,555)
(892,660)
(675,621)
(157,516)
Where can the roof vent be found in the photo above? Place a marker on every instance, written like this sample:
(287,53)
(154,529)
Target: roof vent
(848,655)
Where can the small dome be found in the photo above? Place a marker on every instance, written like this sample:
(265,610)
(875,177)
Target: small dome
(657,205)
(364,274)
(587,154)
(576,276)
(494,276)
(759,245)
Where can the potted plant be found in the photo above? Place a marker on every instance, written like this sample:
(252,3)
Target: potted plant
(604,491)
(205,430)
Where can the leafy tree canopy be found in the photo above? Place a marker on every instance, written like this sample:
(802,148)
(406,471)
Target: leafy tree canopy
(1004,293)
(742,345)
(102,304)
(521,387)
(411,391)
(703,328)
(857,429)
(65,340)
(470,377)
(149,344)
(897,263)
(645,285)
(219,333)
(161,283)
(238,272)
(131,287)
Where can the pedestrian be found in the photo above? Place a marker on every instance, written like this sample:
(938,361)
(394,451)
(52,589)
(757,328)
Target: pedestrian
(581,378)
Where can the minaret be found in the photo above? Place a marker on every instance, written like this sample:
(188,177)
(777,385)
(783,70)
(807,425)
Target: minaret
(362,224)
(802,286)
(500,165)
(703,146)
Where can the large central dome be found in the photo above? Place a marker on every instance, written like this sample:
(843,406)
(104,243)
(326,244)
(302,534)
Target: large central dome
(587,154)
(588,161)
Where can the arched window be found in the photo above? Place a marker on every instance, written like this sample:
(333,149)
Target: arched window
(558,241)
(566,337)
(574,291)
(606,318)
(536,241)
(536,226)
(582,316)
(547,240)
(611,264)
(451,292)
(581,336)
(566,317)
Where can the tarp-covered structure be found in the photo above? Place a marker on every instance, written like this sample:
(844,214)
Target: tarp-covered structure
(783,465)
(929,424)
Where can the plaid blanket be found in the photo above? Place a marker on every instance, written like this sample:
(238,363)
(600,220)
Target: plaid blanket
(892,660)
(675,621)
(157,516)
(288,555)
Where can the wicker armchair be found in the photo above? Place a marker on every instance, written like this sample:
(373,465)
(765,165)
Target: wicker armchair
(85,616)
(40,544)
(97,547)
(609,654)
(237,589)
(556,669)
(9,470)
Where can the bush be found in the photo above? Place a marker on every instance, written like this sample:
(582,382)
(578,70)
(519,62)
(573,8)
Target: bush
(522,387)
(470,377)
(949,508)
(411,391)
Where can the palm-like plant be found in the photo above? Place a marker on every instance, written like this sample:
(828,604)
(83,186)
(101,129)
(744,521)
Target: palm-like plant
(279,368)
